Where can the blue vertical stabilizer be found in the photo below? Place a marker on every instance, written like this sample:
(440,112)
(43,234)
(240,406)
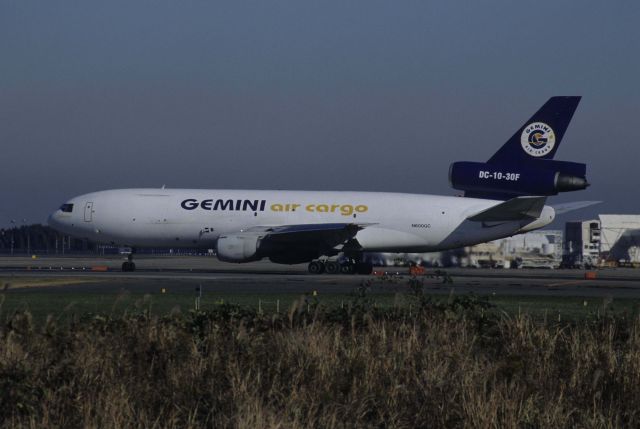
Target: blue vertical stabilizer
(540,136)
(524,165)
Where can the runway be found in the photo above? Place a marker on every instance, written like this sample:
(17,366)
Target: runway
(74,274)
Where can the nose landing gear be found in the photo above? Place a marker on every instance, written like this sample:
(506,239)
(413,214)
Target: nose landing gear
(129,265)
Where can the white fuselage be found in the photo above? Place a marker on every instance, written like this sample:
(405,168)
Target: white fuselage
(394,222)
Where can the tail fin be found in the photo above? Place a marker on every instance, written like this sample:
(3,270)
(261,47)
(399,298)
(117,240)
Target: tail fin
(524,165)
(540,136)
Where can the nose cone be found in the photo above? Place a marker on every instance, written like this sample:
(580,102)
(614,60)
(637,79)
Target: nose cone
(61,222)
(53,220)
(68,218)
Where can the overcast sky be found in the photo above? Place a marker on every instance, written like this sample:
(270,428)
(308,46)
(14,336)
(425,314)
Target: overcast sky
(326,95)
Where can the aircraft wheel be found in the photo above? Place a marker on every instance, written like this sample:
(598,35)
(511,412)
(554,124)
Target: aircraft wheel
(332,267)
(348,269)
(128,266)
(316,267)
(364,268)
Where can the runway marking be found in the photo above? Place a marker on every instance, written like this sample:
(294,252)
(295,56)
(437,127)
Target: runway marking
(566,283)
(29,282)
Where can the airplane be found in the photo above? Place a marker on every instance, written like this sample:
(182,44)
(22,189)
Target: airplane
(331,230)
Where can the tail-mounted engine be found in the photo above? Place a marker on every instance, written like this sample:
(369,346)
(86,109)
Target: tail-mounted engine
(540,177)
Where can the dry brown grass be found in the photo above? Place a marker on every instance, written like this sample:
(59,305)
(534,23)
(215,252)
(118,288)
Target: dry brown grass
(449,365)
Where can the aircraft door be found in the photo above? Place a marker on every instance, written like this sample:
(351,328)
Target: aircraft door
(88,212)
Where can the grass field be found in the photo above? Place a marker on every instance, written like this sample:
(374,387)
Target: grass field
(49,301)
(352,360)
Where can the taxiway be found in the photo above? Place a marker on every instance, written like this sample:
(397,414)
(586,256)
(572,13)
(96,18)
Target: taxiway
(186,273)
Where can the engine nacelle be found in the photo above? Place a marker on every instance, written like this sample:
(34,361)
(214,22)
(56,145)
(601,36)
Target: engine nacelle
(239,247)
(544,177)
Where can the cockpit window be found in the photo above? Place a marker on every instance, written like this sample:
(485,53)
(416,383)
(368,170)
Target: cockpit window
(67,208)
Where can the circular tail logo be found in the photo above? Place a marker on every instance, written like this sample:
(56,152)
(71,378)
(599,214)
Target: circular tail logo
(538,139)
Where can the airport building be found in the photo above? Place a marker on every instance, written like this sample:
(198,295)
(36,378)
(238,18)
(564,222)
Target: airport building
(582,244)
(610,240)
(536,249)
(620,239)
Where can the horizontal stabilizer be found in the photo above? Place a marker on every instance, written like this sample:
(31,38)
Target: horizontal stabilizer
(576,205)
(514,209)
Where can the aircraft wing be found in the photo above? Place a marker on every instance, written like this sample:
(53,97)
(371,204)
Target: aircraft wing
(518,208)
(309,235)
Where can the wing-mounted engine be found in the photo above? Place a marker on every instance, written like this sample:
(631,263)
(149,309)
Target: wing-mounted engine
(504,181)
(287,244)
(240,247)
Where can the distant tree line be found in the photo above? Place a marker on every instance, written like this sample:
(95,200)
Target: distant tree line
(39,238)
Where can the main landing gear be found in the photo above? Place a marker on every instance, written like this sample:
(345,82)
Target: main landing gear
(129,265)
(344,267)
